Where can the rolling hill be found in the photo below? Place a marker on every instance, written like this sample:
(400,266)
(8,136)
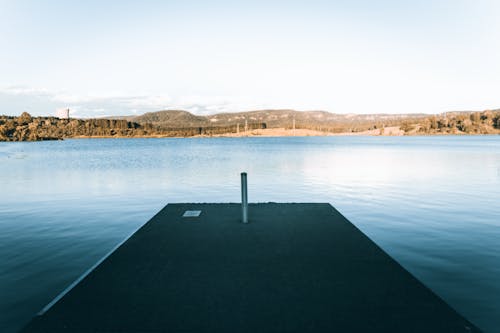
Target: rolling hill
(282,118)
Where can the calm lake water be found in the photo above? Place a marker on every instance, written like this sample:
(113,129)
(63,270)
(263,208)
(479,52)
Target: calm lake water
(431,202)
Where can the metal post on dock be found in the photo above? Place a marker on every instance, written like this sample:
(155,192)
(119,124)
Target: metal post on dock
(244,198)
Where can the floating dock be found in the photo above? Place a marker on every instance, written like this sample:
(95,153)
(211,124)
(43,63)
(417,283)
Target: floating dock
(292,268)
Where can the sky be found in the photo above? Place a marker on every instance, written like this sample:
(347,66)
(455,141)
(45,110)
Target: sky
(102,58)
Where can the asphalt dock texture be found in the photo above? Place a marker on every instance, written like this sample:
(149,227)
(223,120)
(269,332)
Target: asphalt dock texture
(292,268)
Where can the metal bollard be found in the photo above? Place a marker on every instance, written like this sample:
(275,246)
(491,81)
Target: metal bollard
(244,198)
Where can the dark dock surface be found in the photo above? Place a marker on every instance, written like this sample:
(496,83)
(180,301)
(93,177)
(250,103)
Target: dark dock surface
(293,268)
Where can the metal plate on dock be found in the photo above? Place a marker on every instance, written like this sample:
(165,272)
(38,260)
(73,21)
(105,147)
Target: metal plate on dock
(191,213)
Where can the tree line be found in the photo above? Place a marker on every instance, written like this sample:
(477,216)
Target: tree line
(486,122)
(28,128)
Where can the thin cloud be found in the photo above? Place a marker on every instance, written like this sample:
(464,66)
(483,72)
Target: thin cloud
(23,90)
(87,106)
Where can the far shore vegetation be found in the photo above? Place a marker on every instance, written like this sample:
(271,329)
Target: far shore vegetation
(176,123)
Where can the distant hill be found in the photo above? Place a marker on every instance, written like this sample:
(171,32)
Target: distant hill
(170,118)
(272,118)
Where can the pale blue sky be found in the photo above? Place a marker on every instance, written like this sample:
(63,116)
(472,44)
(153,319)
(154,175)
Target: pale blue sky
(124,57)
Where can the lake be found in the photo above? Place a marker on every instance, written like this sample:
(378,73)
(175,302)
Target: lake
(432,203)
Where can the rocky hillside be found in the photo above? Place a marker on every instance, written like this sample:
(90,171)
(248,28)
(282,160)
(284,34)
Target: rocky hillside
(27,128)
(486,122)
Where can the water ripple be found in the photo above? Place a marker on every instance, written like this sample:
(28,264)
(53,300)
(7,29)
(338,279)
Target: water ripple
(430,202)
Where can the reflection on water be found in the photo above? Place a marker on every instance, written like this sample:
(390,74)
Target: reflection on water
(430,202)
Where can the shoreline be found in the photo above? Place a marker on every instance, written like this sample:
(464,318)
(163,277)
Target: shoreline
(283,132)
(393,131)
(268,132)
